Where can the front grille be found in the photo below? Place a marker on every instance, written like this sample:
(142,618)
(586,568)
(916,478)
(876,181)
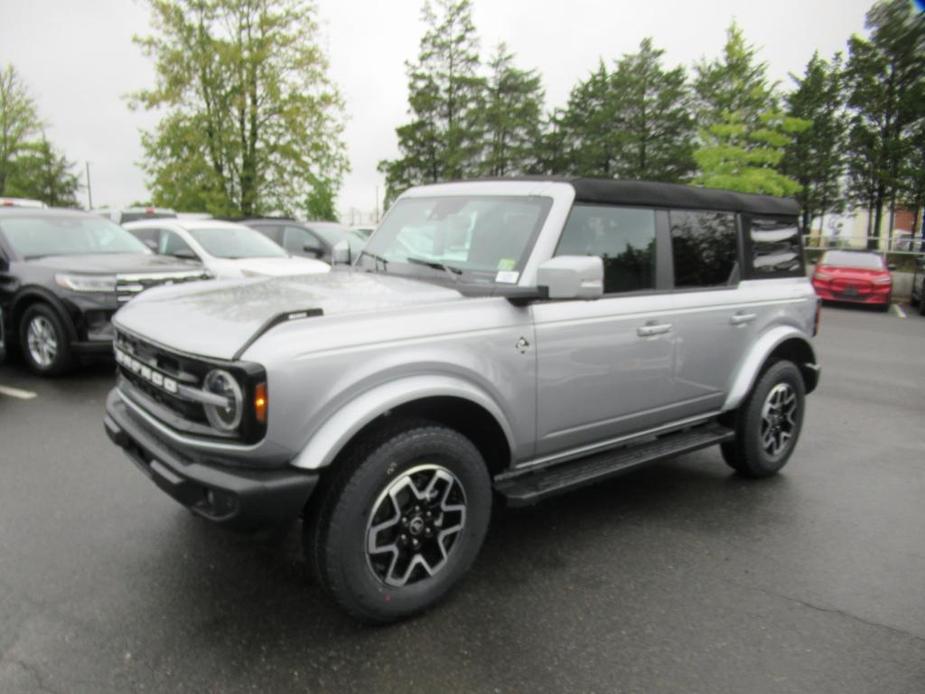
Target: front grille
(129,286)
(181,369)
(170,387)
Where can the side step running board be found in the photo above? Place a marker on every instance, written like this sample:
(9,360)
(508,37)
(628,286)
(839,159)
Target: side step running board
(523,487)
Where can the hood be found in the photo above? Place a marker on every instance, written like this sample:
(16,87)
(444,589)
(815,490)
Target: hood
(274,267)
(217,318)
(114,263)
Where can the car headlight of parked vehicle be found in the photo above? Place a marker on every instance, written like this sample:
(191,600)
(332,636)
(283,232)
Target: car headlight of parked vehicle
(225,417)
(87,283)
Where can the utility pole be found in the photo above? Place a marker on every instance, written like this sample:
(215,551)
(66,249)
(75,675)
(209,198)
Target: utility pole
(89,190)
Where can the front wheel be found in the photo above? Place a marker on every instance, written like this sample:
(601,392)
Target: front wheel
(44,341)
(768,423)
(401,521)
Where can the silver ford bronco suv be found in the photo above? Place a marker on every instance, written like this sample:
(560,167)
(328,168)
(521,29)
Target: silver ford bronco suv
(507,338)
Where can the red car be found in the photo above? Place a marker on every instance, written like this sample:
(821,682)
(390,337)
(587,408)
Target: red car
(853,276)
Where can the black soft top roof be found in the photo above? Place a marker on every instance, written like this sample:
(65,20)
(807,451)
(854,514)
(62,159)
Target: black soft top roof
(598,190)
(672,195)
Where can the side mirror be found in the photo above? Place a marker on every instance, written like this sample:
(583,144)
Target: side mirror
(313,251)
(184,254)
(891,267)
(151,243)
(340,254)
(572,277)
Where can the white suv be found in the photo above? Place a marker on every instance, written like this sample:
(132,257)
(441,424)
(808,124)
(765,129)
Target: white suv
(225,249)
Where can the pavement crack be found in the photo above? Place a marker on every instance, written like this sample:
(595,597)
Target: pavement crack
(832,610)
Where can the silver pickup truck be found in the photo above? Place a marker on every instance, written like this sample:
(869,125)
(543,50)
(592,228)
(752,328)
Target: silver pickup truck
(510,339)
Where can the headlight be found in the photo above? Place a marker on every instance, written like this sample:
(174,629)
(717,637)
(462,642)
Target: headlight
(220,382)
(87,283)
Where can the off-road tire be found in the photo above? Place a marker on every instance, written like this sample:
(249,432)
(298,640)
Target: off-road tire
(746,453)
(335,533)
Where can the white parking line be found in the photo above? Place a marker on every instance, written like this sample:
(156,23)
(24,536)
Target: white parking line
(17,393)
(899,311)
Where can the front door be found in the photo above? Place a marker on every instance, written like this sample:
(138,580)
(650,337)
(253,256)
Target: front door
(606,368)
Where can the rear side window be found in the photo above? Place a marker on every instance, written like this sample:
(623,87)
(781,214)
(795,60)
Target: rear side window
(623,237)
(704,248)
(773,247)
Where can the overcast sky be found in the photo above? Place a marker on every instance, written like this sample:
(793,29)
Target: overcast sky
(79,61)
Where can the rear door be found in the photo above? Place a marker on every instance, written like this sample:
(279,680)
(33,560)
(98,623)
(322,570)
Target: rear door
(722,267)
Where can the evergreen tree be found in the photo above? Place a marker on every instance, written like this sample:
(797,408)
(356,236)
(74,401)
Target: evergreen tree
(743,133)
(815,158)
(512,117)
(735,155)
(734,83)
(586,128)
(653,128)
(43,173)
(443,140)
(885,90)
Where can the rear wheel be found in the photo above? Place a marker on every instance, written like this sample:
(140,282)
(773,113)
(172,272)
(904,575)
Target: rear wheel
(401,521)
(44,341)
(768,423)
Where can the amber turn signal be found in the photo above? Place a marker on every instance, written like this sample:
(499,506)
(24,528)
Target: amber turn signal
(260,402)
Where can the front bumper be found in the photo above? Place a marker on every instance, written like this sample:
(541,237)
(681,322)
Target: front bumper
(237,497)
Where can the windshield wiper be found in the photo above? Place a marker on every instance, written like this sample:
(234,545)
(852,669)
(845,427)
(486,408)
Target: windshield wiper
(376,258)
(452,271)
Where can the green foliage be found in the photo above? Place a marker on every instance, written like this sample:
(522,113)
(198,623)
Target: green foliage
(443,140)
(319,205)
(733,83)
(738,156)
(43,173)
(251,120)
(655,129)
(886,91)
(512,116)
(743,134)
(18,121)
(815,158)
(632,122)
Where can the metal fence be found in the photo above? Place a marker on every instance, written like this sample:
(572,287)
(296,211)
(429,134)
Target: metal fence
(900,244)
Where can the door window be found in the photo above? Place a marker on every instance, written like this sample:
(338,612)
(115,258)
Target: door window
(173,244)
(624,239)
(299,241)
(704,248)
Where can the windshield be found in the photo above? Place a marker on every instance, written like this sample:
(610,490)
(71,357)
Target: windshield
(38,236)
(482,238)
(868,261)
(236,242)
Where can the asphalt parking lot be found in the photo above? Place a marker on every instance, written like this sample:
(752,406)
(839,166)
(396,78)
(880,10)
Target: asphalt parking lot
(680,578)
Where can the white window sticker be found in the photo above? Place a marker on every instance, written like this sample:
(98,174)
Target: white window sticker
(507,277)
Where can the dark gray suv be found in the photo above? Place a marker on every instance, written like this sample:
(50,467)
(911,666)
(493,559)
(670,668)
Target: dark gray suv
(63,274)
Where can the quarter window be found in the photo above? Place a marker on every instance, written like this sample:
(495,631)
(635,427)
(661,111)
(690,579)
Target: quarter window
(704,248)
(623,237)
(775,247)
